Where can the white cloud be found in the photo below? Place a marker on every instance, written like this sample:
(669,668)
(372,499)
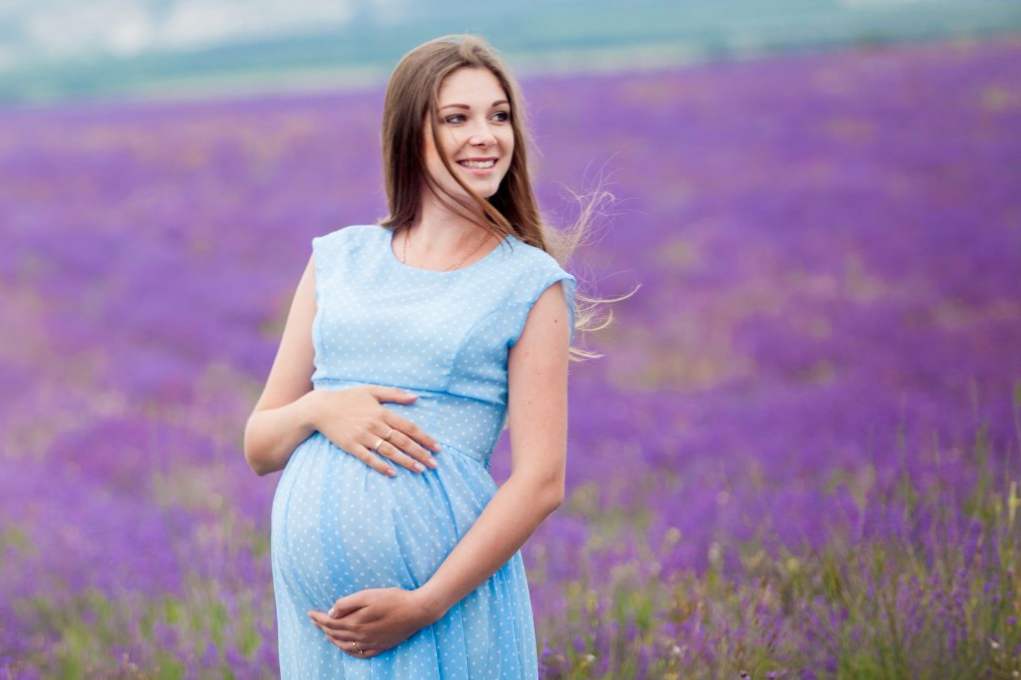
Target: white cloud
(54,31)
(57,29)
(133,32)
(197,22)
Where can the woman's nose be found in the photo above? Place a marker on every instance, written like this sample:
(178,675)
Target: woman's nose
(482,135)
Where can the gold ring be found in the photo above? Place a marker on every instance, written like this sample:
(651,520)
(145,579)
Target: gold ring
(376,445)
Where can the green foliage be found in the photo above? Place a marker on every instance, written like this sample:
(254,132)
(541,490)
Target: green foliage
(876,608)
(88,628)
(866,608)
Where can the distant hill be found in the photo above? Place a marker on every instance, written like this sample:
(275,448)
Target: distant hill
(149,50)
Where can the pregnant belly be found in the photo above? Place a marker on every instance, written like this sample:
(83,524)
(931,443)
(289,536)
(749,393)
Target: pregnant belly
(338,526)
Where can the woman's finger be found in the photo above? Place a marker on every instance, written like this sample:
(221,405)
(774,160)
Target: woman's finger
(343,637)
(362,453)
(388,393)
(409,447)
(368,653)
(344,625)
(400,441)
(349,648)
(391,451)
(347,605)
(365,653)
(409,428)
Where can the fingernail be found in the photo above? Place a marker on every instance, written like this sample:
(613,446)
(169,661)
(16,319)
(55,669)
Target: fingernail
(419,466)
(432,462)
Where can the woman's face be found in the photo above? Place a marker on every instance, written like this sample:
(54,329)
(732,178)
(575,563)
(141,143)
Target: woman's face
(474,124)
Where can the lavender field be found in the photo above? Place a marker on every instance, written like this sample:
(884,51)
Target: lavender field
(798,457)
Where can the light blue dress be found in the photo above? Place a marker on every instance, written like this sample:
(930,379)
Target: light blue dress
(339,526)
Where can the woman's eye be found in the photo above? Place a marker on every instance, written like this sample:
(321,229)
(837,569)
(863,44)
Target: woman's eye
(450,119)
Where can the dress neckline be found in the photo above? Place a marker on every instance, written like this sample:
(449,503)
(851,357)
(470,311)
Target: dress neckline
(388,239)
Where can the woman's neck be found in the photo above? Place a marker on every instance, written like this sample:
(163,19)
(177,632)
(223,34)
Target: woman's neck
(438,238)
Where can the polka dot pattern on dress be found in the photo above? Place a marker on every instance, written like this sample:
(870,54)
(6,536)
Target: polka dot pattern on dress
(338,526)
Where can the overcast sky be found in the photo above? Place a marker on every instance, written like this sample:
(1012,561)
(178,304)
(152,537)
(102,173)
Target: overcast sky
(61,29)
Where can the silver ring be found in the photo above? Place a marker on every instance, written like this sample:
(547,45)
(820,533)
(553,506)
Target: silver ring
(358,648)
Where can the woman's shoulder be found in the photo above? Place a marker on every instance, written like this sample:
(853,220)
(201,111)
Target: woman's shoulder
(348,232)
(532,262)
(344,239)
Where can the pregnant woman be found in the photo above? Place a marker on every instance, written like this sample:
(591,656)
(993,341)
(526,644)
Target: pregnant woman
(409,345)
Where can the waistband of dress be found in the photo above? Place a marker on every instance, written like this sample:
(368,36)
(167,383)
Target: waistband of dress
(460,424)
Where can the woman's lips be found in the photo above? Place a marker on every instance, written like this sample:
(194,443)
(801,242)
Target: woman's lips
(478,171)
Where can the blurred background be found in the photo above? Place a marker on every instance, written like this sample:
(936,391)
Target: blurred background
(58,49)
(798,454)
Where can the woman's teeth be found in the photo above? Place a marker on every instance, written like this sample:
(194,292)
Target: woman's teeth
(477,164)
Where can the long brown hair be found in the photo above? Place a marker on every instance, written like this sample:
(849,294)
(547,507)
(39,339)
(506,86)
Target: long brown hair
(412,93)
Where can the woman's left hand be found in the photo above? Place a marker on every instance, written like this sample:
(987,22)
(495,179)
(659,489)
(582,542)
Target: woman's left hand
(376,619)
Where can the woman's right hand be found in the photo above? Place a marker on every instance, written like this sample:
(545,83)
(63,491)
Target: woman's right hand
(354,419)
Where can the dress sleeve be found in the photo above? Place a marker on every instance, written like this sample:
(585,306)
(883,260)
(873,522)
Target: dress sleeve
(319,263)
(326,250)
(537,282)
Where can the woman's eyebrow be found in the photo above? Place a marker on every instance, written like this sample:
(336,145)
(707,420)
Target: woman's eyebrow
(465,106)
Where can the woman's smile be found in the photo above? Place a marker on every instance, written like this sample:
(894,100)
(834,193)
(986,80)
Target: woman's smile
(481,168)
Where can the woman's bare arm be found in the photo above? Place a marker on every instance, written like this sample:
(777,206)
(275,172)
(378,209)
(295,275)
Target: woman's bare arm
(286,412)
(537,415)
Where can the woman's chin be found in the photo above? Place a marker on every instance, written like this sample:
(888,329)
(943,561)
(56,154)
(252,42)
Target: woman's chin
(485,191)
